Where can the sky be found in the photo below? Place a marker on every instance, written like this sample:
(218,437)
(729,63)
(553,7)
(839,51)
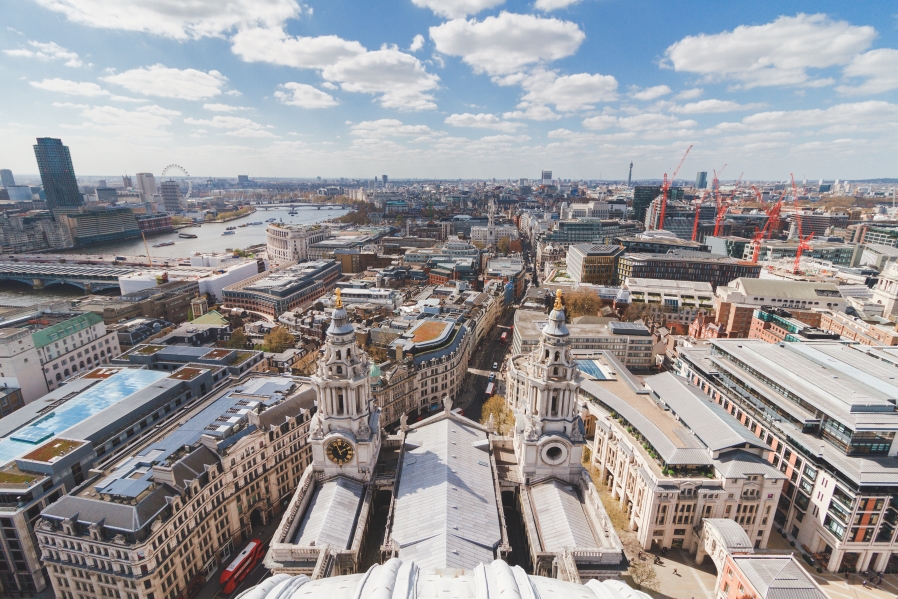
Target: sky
(454,88)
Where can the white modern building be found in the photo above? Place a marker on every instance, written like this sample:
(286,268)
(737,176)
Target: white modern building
(146,186)
(212,272)
(290,243)
(19,359)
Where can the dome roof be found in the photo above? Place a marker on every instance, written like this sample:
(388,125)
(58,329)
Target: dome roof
(556,326)
(396,578)
(340,324)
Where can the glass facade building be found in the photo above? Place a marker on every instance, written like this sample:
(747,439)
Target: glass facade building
(57,174)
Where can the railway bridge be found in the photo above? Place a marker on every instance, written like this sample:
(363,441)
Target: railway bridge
(90,278)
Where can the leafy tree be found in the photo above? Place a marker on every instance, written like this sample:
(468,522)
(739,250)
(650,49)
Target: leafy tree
(643,575)
(502,416)
(278,340)
(237,340)
(581,303)
(503,244)
(378,354)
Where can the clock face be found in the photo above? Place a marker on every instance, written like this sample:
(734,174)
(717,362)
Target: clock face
(339,451)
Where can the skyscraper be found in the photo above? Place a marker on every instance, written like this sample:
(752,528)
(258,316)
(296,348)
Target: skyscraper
(57,175)
(6,178)
(701,180)
(146,186)
(547,176)
(126,181)
(172,198)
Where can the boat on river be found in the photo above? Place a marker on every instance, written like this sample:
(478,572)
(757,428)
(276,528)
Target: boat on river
(164,244)
(231,232)
(186,235)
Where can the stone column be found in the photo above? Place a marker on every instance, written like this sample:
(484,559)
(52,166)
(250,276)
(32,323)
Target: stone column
(834,560)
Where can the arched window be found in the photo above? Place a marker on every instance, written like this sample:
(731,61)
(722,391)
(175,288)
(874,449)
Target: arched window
(58,377)
(340,406)
(555,371)
(81,365)
(339,370)
(553,410)
(557,356)
(66,373)
(547,354)
(338,354)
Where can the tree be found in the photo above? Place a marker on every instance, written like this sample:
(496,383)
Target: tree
(581,303)
(378,354)
(237,340)
(502,416)
(278,340)
(643,575)
(639,311)
(503,244)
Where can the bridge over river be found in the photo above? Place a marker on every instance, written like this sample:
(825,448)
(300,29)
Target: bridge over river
(90,278)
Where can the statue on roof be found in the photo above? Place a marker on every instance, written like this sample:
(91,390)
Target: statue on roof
(558,304)
(338,303)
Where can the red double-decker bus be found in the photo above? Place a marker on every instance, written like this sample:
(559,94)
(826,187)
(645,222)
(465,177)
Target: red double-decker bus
(242,565)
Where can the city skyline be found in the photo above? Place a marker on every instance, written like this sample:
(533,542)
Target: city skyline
(454,89)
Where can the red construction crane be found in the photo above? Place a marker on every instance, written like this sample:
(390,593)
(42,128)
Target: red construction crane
(802,246)
(773,217)
(758,194)
(721,212)
(665,186)
(698,211)
(759,236)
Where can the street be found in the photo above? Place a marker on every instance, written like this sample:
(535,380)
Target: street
(212,589)
(491,350)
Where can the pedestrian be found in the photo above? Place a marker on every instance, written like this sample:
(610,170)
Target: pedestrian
(675,572)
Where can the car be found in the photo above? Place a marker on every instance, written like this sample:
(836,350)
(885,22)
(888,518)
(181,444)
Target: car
(495,366)
(492,376)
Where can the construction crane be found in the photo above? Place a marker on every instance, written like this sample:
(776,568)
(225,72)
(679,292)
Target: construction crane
(698,211)
(803,244)
(721,212)
(756,241)
(665,187)
(758,195)
(773,217)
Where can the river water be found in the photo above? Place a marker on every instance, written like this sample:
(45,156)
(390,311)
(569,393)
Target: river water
(209,239)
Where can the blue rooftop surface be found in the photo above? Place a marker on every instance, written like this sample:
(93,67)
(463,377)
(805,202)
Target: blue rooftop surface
(592,368)
(91,402)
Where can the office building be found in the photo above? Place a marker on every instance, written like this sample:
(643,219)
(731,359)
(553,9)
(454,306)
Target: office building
(49,447)
(11,398)
(840,254)
(146,187)
(674,458)
(644,195)
(632,343)
(676,301)
(684,265)
(6,178)
(594,264)
(20,360)
(776,325)
(827,410)
(172,199)
(274,292)
(589,230)
(74,346)
(100,224)
(735,303)
(159,521)
(701,180)
(242,180)
(290,243)
(20,193)
(509,271)
(546,177)
(875,332)
(764,576)
(57,175)
(658,242)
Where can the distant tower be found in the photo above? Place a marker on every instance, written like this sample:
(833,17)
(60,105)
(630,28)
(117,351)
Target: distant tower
(57,175)
(126,181)
(548,433)
(630,176)
(701,180)
(546,177)
(146,186)
(345,432)
(6,178)
(385,179)
(172,198)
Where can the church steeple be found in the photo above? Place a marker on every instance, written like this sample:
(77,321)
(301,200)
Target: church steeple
(346,415)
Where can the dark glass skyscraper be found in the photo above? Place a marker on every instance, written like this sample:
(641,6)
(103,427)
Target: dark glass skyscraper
(701,180)
(57,174)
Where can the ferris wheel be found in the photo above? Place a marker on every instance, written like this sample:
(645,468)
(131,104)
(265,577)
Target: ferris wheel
(180,172)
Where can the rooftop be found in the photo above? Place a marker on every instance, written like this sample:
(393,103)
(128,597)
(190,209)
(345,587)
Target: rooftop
(778,577)
(63,329)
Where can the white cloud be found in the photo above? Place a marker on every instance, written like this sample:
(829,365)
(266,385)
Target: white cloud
(399,78)
(304,96)
(250,132)
(878,67)
(274,46)
(647,121)
(452,9)
(145,121)
(871,116)
(651,93)
(777,53)
(690,94)
(389,128)
(178,20)
(417,43)
(505,44)
(569,93)
(481,121)
(706,106)
(47,51)
(547,5)
(71,88)
(165,82)
(224,122)
(532,113)
(223,107)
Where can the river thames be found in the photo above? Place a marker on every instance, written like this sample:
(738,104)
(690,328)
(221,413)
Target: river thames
(209,239)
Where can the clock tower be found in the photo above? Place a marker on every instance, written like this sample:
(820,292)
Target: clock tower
(542,393)
(345,431)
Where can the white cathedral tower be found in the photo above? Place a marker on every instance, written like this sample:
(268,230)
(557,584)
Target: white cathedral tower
(345,431)
(542,393)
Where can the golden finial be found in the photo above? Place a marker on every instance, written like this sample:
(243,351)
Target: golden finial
(338,304)
(558,305)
